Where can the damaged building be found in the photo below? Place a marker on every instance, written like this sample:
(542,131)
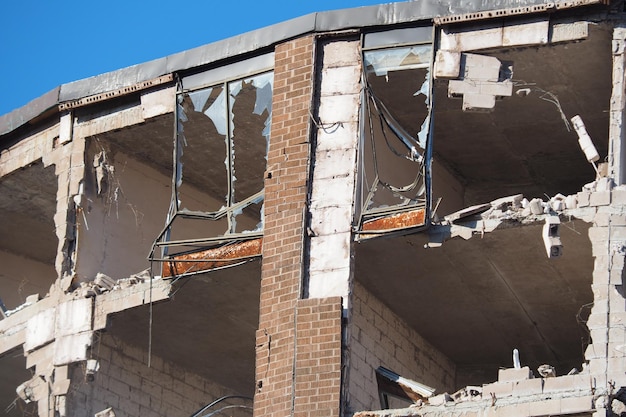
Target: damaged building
(410,209)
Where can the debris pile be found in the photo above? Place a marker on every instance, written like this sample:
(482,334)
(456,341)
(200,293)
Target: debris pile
(103,283)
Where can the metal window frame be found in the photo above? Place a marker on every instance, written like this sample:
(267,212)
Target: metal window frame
(400,38)
(244,70)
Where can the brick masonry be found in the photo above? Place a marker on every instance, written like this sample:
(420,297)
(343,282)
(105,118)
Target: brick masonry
(285,204)
(381,338)
(318,357)
(125,383)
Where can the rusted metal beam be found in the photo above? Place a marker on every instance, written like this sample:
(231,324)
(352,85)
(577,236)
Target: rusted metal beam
(405,220)
(208,259)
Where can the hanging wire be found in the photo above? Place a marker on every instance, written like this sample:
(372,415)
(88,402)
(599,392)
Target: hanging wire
(326,127)
(200,412)
(386,119)
(545,95)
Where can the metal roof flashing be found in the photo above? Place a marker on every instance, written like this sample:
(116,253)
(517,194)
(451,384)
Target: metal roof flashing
(439,11)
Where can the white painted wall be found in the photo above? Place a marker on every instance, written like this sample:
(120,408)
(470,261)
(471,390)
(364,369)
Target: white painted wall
(334,172)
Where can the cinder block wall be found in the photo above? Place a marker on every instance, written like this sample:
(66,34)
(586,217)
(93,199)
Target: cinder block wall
(378,337)
(125,383)
(607,351)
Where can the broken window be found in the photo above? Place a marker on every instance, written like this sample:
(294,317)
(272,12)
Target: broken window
(221,139)
(394,149)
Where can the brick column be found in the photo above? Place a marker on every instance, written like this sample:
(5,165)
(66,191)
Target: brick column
(299,341)
(285,205)
(318,358)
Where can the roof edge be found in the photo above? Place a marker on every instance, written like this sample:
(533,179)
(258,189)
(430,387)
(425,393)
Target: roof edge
(439,11)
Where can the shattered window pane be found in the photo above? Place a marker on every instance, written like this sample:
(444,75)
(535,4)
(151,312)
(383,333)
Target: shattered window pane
(396,124)
(202,150)
(222,137)
(250,110)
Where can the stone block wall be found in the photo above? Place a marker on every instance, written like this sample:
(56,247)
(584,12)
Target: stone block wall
(606,353)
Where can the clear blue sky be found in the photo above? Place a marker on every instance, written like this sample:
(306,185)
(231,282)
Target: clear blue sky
(46,43)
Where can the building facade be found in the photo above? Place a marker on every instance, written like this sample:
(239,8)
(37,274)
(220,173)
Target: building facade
(416,206)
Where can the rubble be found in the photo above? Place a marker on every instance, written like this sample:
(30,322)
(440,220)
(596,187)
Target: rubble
(518,210)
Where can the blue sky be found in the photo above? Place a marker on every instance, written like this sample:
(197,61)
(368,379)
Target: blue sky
(46,43)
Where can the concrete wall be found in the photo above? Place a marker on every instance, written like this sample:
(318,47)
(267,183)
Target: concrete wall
(21,277)
(119,226)
(334,170)
(448,188)
(381,338)
(131,388)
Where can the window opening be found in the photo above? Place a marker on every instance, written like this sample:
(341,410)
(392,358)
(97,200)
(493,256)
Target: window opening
(221,135)
(394,151)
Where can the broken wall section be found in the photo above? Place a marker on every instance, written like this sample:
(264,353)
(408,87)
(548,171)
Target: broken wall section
(124,192)
(334,172)
(606,354)
(35,183)
(130,388)
(378,337)
(512,86)
(119,213)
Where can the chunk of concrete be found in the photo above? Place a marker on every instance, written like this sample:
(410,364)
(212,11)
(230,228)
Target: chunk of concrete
(447,64)
(440,399)
(40,329)
(512,374)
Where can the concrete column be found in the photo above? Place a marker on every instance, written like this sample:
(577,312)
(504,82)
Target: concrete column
(617,148)
(334,171)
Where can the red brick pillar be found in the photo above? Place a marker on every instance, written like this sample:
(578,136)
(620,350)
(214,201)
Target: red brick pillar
(318,358)
(285,205)
(297,373)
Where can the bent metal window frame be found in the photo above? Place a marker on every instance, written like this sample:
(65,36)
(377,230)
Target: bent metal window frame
(411,212)
(189,256)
